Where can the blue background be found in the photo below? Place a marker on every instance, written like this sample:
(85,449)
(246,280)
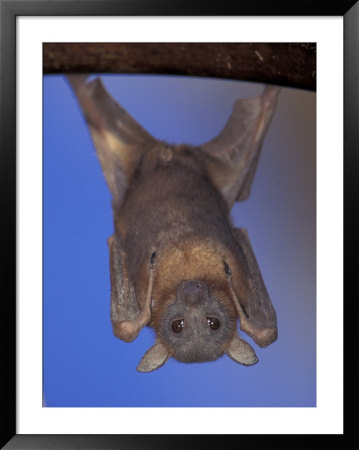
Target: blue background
(84,364)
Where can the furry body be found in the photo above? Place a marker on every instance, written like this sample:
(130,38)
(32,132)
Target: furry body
(176,262)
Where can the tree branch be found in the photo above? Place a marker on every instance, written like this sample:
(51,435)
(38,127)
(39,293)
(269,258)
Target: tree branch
(291,65)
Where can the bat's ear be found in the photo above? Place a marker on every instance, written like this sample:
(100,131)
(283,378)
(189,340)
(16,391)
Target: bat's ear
(154,358)
(119,140)
(232,156)
(241,352)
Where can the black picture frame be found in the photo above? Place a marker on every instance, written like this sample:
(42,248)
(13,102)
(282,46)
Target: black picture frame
(10,9)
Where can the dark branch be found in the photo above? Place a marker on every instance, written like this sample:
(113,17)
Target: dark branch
(291,65)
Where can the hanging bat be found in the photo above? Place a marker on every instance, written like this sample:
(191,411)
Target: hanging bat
(177,263)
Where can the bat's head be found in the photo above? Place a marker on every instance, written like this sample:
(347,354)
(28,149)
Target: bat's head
(197,324)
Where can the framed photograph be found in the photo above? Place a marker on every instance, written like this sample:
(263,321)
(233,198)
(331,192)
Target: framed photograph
(73,378)
(179,109)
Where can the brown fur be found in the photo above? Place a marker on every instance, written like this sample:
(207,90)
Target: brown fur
(175,211)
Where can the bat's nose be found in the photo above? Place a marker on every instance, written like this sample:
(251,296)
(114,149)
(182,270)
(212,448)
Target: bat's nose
(192,290)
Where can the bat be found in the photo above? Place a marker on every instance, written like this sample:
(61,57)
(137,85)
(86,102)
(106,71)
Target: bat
(177,263)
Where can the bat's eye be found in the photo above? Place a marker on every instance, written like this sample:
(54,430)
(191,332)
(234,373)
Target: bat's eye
(177,326)
(213,323)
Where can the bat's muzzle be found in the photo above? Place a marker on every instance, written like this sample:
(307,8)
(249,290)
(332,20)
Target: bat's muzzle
(192,291)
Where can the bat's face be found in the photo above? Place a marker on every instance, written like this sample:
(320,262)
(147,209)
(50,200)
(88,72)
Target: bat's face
(196,326)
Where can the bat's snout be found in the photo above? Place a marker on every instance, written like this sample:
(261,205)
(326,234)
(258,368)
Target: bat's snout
(192,291)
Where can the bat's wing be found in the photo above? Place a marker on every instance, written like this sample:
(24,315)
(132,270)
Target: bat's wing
(119,140)
(257,317)
(126,316)
(233,155)
(232,159)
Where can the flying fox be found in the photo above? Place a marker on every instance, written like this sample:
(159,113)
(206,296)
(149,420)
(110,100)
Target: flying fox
(177,263)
